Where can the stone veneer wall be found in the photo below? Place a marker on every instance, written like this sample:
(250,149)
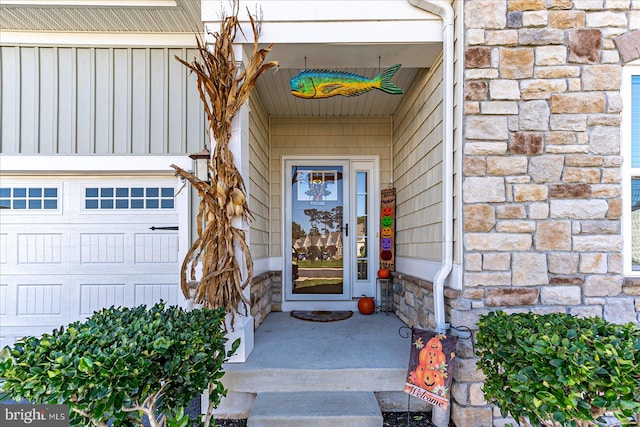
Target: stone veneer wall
(542,168)
(266,295)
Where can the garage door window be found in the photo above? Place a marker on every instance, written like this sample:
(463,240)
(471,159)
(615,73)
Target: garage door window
(29,198)
(108,198)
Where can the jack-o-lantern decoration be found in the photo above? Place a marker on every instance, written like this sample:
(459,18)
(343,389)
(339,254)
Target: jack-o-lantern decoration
(387,228)
(386,244)
(434,344)
(431,358)
(431,367)
(431,355)
(431,379)
(418,376)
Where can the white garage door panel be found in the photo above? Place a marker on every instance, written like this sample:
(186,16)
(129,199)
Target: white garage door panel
(35,300)
(120,290)
(93,247)
(3,249)
(42,301)
(3,299)
(135,252)
(156,248)
(38,248)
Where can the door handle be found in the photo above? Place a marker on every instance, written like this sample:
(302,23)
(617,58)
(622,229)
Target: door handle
(346,230)
(154,228)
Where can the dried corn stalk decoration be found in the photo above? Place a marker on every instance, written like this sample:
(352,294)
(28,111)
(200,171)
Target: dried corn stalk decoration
(223,89)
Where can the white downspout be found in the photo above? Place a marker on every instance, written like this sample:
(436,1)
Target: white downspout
(443,9)
(440,417)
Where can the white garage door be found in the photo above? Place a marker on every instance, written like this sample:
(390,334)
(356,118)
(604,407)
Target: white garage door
(73,245)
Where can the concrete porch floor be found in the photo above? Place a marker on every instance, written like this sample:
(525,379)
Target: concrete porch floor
(359,354)
(360,341)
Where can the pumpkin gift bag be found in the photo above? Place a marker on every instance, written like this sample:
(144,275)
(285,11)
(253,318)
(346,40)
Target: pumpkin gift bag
(431,367)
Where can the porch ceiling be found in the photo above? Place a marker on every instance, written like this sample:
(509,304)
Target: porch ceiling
(365,59)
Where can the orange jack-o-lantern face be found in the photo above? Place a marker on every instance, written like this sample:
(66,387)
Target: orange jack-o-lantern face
(435,344)
(387,212)
(418,376)
(431,358)
(387,232)
(431,355)
(432,379)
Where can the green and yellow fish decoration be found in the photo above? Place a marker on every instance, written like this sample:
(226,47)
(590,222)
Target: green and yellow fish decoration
(313,84)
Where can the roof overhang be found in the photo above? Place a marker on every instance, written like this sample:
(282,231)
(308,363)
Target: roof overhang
(349,35)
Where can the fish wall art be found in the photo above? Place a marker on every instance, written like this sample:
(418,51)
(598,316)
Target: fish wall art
(313,84)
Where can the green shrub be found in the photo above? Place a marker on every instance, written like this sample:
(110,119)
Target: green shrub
(121,364)
(556,367)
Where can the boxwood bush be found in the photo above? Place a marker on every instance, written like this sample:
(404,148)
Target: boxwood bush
(121,364)
(559,368)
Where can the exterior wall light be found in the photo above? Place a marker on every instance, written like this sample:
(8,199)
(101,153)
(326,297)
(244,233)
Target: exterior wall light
(201,161)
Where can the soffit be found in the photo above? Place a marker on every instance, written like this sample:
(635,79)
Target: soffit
(184,17)
(275,93)
(274,88)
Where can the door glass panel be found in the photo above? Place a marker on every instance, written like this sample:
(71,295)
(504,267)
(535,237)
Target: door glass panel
(317,230)
(362,194)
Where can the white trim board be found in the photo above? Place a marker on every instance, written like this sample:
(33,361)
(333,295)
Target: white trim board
(19,164)
(12,38)
(427,270)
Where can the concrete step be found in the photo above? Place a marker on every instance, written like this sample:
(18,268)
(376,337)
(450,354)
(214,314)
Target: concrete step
(259,380)
(315,409)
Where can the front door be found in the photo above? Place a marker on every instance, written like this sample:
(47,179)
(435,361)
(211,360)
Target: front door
(318,230)
(328,231)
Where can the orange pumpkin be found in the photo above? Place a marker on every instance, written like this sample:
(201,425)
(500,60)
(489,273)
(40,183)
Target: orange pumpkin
(434,344)
(431,358)
(418,377)
(384,273)
(366,305)
(432,379)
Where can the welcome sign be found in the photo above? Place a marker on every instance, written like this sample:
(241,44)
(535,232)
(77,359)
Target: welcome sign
(430,371)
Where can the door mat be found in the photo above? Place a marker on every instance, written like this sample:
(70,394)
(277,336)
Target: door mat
(321,316)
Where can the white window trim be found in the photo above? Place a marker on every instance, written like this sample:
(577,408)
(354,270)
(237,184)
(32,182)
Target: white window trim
(35,184)
(629,70)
